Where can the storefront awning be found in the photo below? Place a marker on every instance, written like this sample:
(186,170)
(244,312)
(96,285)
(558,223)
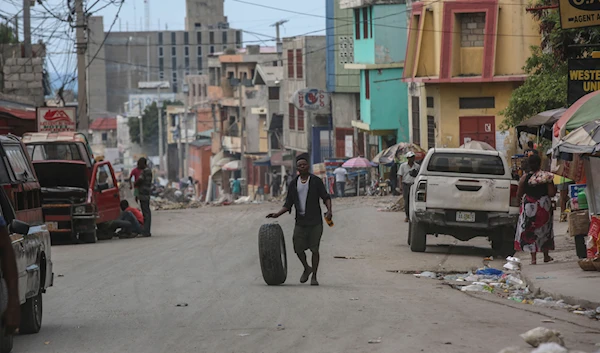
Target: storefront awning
(263,162)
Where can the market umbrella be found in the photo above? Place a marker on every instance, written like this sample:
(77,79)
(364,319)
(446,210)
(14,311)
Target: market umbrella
(477,145)
(581,112)
(358,162)
(232,166)
(585,139)
(387,156)
(541,124)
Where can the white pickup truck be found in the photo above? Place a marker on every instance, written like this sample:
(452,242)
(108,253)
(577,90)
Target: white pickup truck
(464,193)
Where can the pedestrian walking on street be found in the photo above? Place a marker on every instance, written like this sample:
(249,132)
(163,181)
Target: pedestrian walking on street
(394,178)
(144,185)
(406,174)
(135,174)
(340,181)
(236,188)
(304,193)
(276,185)
(10,307)
(535,231)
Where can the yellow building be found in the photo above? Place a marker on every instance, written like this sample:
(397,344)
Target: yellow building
(463,60)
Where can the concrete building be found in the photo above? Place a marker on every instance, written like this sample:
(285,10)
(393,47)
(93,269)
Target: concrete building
(127,58)
(342,83)
(379,49)
(464,59)
(304,67)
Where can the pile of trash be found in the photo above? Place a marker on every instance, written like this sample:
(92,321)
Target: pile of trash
(160,204)
(544,340)
(506,283)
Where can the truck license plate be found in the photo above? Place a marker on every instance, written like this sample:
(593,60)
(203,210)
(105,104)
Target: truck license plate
(52,226)
(465,217)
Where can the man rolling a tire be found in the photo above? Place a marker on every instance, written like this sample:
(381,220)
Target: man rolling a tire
(304,193)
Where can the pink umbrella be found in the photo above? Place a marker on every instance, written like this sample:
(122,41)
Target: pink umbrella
(358,163)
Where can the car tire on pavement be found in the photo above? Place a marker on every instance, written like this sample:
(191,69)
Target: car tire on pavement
(503,244)
(272,254)
(418,237)
(6,342)
(31,315)
(88,237)
(409,233)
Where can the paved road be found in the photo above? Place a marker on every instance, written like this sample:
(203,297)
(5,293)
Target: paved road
(122,295)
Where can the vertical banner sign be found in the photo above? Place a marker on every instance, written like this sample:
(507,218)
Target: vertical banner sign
(579,13)
(349,146)
(584,78)
(56,119)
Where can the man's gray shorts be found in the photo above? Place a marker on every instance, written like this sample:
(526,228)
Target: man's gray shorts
(307,237)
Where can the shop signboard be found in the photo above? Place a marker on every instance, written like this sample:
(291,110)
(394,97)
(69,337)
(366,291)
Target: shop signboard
(312,100)
(584,78)
(56,119)
(579,13)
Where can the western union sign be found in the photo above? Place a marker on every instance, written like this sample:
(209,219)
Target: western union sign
(584,77)
(579,13)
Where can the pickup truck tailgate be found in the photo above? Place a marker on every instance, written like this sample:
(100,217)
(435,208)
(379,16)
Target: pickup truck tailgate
(468,193)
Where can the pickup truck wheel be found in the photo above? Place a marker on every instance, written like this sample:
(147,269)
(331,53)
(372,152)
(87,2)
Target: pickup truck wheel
(88,237)
(418,237)
(31,315)
(6,342)
(504,244)
(272,253)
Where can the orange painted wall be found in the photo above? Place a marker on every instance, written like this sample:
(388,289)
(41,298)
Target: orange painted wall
(200,164)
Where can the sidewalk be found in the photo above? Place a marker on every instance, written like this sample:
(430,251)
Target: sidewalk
(562,278)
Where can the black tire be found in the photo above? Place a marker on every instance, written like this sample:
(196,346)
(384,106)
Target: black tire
(409,231)
(6,342)
(418,237)
(272,253)
(503,244)
(31,315)
(88,237)
(104,234)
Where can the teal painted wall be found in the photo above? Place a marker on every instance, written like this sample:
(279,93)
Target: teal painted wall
(390,32)
(387,108)
(387,44)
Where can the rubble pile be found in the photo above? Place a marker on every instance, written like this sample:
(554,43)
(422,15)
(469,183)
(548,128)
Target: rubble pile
(397,206)
(507,284)
(173,199)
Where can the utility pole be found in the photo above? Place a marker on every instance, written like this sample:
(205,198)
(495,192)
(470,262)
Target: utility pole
(27,27)
(278,39)
(160,133)
(82,116)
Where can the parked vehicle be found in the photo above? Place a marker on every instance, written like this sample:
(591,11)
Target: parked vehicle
(20,205)
(464,193)
(79,195)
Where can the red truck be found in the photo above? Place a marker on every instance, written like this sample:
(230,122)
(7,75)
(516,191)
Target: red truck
(79,195)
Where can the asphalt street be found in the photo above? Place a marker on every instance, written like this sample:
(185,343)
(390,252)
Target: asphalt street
(196,286)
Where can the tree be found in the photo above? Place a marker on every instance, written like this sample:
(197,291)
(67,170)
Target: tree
(150,126)
(546,85)
(7,35)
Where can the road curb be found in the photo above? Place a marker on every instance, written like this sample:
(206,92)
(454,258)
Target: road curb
(534,287)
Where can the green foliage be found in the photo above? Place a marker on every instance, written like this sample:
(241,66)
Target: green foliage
(150,127)
(7,35)
(546,85)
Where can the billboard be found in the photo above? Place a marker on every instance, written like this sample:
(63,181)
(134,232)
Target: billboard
(139,102)
(584,78)
(56,119)
(312,100)
(579,13)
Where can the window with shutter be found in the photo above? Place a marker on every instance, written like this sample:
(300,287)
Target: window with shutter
(367,85)
(290,63)
(365,22)
(292,112)
(357,23)
(299,69)
(300,120)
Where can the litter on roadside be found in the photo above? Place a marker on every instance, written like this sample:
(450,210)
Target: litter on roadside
(243,334)
(426,274)
(535,337)
(377,340)
(349,257)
